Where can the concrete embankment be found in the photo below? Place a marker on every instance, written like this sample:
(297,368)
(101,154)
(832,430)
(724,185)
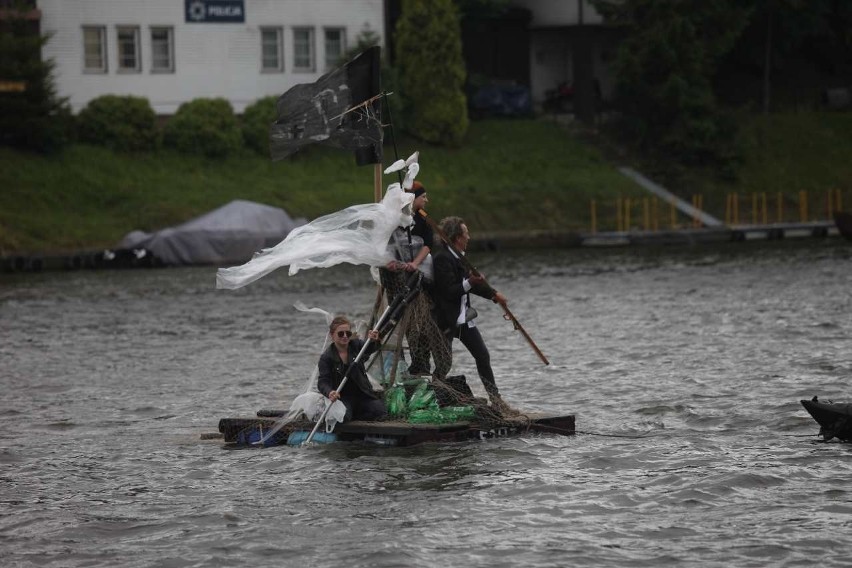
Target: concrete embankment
(487,241)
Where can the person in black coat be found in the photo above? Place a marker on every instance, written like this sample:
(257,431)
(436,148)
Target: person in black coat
(361,401)
(453,312)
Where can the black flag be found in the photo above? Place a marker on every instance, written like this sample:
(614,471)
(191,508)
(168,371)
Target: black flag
(342,109)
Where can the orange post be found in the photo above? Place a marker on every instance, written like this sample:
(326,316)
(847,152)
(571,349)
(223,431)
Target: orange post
(618,221)
(656,214)
(780,207)
(735,208)
(754,208)
(627,212)
(594,213)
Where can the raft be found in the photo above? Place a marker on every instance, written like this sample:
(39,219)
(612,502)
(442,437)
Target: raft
(249,431)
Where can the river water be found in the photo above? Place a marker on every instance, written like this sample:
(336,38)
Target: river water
(683,366)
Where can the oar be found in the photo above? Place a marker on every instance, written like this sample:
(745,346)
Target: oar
(507,312)
(389,316)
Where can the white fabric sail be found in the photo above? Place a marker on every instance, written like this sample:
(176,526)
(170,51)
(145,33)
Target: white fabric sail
(358,235)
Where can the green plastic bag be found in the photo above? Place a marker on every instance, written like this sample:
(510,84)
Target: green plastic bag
(395,400)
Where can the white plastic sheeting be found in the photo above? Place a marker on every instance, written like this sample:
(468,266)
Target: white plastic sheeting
(232,233)
(358,235)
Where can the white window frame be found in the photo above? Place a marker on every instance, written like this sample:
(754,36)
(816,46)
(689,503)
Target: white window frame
(170,46)
(301,66)
(102,48)
(266,65)
(333,59)
(137,52)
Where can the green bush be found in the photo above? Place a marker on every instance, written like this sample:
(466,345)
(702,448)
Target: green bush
(204,126)
(123,123)
(256,120)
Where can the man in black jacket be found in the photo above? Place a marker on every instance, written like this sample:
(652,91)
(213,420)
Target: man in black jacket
(453,312)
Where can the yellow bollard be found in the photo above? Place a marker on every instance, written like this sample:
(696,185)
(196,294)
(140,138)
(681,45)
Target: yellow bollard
(618,221)
(735,207)
(594,213)
(627,208)
(754,208)
(656,214)
(727,209)
(803,206)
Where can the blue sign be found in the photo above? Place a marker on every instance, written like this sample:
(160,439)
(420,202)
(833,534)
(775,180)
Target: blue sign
(215,11)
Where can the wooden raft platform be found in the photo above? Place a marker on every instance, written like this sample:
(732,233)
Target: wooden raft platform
(247,431)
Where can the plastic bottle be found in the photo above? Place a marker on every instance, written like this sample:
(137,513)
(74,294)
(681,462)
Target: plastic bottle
(395,400)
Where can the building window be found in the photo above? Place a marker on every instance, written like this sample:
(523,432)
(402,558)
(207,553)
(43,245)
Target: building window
(303,49)
(335,46)
(94,49)
(271,58)
(128,49)
(162,50)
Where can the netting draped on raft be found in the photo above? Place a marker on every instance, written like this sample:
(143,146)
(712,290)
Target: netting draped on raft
(358,235)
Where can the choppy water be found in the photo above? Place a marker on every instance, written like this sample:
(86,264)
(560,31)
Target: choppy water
(697,357)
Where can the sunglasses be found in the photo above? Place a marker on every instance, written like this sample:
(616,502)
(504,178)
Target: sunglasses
(342,334)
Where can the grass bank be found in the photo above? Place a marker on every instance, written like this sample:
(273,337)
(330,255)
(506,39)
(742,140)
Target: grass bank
(510,175)
(524,174)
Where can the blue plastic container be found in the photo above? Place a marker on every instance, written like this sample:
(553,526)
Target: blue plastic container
(298,438)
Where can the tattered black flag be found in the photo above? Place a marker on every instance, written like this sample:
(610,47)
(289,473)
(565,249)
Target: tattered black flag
(342,109)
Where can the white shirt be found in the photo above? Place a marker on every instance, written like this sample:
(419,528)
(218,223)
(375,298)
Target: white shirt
(466,285)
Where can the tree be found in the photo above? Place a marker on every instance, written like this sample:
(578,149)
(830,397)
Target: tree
(32,116)
(791,48)
(664,72)
(431,71)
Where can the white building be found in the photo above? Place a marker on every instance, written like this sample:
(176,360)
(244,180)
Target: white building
(173,51)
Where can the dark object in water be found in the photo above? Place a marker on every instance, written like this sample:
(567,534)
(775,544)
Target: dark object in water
(835,420)
(843,221)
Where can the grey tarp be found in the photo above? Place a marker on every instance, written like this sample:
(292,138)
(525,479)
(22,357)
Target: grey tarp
(228,235)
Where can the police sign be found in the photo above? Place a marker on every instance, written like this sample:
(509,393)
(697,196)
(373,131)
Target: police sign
(215,11)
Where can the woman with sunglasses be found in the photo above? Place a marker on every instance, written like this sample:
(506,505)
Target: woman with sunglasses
(361,401)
